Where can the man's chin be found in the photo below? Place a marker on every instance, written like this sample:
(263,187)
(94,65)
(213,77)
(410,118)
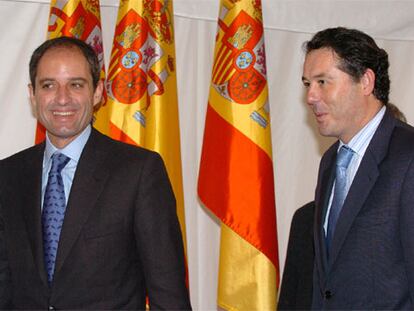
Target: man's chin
(326,132)
(64,135)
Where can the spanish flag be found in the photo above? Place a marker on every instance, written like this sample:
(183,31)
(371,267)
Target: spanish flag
(80,19)
(141,107)
(236,170)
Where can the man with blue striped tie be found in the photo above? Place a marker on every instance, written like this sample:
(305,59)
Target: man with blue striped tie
(364,200)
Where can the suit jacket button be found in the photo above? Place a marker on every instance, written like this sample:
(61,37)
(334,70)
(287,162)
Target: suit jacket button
(328,294)
(51,308)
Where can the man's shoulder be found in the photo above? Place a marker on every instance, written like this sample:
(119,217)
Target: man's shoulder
(404,129)
(306,211)
(23,155)
(394,140)
(122,150)
(395,130)
(402,137)
(11,167)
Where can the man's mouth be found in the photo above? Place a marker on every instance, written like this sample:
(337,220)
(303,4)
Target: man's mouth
(319,116)
(63,113)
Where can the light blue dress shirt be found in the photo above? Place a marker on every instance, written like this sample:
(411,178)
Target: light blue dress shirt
(359,144)
(73,150)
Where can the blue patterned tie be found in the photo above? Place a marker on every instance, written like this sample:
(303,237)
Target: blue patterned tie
(54,205)
(342,161)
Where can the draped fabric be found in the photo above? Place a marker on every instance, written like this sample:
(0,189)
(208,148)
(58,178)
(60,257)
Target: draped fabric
(142,107)
(236,170)
(80,19)
(297,146)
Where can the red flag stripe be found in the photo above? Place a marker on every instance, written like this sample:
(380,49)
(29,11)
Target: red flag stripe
(247,183)
(118,134)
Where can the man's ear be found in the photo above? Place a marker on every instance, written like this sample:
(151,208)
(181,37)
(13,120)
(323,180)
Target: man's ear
(368,82)
(32,98)
(97,96)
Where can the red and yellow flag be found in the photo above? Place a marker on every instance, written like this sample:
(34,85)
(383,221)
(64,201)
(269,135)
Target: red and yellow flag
(236,170)
(80,19)
(141,106)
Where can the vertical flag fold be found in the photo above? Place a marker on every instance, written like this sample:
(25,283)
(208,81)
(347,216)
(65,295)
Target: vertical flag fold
(142,106)
(236,169)
(79,19)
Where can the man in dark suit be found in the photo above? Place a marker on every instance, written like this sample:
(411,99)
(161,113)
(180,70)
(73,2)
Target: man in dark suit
(364,232)
(296,287)
(119,240)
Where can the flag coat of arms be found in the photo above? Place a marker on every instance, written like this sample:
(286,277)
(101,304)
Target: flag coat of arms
(236,170)
(142,106)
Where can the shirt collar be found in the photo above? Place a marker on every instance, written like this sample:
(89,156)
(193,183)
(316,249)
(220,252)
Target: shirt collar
(360,141)
(73,150)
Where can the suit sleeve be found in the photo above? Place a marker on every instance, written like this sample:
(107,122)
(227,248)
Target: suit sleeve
(407,226)
(159,239)
(288,288)
(296,287)
(5,281)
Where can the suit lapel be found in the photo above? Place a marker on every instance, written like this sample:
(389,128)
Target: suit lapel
(363,182)
(322,201)
(88,183)
(31,201)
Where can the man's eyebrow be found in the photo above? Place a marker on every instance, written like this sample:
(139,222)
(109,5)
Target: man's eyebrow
(70,79)
(46,79)
(77,79)
(318,76)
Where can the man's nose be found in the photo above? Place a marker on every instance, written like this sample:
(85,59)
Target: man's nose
(63,95)
(312,94)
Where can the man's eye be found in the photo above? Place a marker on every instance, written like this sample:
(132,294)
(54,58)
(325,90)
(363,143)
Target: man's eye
(76,85)
(306,84)
(321,82)
(47,86)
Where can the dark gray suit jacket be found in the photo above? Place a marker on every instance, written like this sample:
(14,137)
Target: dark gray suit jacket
(371,262)
(296,286)
(120,239)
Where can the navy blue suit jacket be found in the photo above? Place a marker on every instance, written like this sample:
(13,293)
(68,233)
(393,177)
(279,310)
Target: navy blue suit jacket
(371,261)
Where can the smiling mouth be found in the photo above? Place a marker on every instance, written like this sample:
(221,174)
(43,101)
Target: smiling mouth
(63,113)
(320,116)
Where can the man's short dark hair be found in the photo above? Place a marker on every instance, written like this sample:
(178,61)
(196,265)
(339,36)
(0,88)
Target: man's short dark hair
(70,43)
(357,52)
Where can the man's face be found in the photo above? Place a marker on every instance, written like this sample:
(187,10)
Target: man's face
(336,100)
(64,98)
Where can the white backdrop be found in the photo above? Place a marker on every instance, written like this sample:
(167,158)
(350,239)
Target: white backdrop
(297,147)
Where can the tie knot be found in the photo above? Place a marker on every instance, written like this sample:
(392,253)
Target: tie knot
(59,161)
(344,156)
